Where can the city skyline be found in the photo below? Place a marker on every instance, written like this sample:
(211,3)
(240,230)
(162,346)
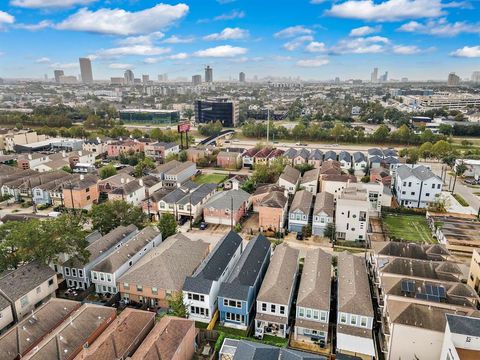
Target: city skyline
(317,40)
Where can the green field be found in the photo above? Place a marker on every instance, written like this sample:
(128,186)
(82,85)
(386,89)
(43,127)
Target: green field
(412,228)
(210,178)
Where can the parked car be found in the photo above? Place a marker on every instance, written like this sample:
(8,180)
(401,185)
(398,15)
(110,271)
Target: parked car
(203,225)
(182,221)
(299,236)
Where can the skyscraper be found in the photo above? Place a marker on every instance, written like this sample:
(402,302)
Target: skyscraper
(453,79)
(384,77)
(374,75)
(145,79)
(86,70)
(476,77)
(208,74)
(57,74)
(129,77)
(241,77)
(196,80)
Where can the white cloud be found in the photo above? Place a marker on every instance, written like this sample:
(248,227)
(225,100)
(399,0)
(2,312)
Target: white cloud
(40,4)
(297,42)
(179,56)
(406,49)
(154,60)
(389,10)
(316,46)
(228,34)
(6,18)
(223,51)
(440,27)
(293,31)
(281,58)
(364,30)
(57,65)
(134,50)
(43,60)
(119,66)
(361,45)
(142,39)
(122,22)
(234,14)
(467,51)
(35,27)
(178,40)
(315,62)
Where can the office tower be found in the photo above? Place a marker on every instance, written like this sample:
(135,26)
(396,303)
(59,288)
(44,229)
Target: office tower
(129,77)
(337,80)
(374,75)
(453,79)
(384,77)
(223,109)
(165,77)
(196,80)
(208,74)
(404,79)
(476,77)
(68,79)
(86,70)
(117,80)
(241,77)
(57,74)
(145,79)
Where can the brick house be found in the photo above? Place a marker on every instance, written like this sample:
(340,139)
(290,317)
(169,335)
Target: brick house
(81,194)
(226,207)
(229,159)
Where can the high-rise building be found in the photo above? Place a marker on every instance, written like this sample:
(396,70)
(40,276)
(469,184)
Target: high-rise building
(404,79)
(145,79)
(476,77)
(241,77)
(57,74)
(218,109)
(374,75)
(337,80)
(68,79)
(86,70)
(129,77)
(384,77)
(453,79)
(208,74)
(196,80)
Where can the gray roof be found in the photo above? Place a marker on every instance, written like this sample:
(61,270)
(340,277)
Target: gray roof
(391,160)
(353,285)
(315,283)
(174,196)
(330,155)
(358,156)
(281,275)
(290,153)
(197,195)
(325,202)
(304,153)
(161,169)
(420,172)
(375,151)
(444,270)
(464,325)
(436,252)
(214,265)
(375,159)
(127,188)
(345,156)
(18,282)
(223,199)
(180,168)
(302,201)
(290,174)
(316,155)
(246,271)
(274,199)
(249,350)
(310,175)
(390,152)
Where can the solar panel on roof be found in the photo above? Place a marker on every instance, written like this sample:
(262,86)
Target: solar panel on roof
(421,296)
(441,292)
(411,286)
(433,298)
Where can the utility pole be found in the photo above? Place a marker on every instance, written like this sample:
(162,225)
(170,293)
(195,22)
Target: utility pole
(231,213)
(190,201)
(268,125)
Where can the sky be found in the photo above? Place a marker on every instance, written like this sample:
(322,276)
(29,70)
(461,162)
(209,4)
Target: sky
(311,39)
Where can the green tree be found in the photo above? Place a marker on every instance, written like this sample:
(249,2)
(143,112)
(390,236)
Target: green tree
(459,171)
(143,166)
(189,113)
(107,171)
(441,149)
(413,156)
(109,215)
(167,225)
(176,304)
(425,150)
(381,135)
(337,131)
(307,230)
(329,231)
(67,168)
(182,156)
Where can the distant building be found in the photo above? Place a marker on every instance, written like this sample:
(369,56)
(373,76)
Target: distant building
(219,109)
(117,80)
(145,79)
(196,80)
(374,75)
(453,79)
(57,74)
(68,79)
(476,77)
(241,77)
(129,77)
(86,70)
(208,74)
(153,116)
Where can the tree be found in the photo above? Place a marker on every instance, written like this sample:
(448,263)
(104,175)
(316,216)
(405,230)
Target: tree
(182,156)
(144,165)
(425,150)
(67,168)
(337,131)
(307,230)
(167,225)
(189,113)
(459,171)
(108,216)
(413,156)
(381,134)
(107,171)
(329,231)
(176,304)
(441,148)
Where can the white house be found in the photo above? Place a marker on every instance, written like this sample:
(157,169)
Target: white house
(106,273)
(473,167)
(461,338)
(289,179)
(416,186)
(323,212)
(299,214)
(360,163)
(352,214)
(345,160)
(309,180)
(133,192)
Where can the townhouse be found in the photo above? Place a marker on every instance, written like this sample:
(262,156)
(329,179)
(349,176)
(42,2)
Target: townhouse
(330,156)
(248,157)
(115,148)
(133,192)
(299,214)
(457,341)
(355,314)
(360,163)
(179,174)
(226,207)
(345,160)
(352,214)
(81,193)
(229,159)
(159,151)
(159,275)
(113,182)
(261,157)
(151,204)
(168,203)
(330,168)
(262,191)
(323,213)
(309,180)
(313,302)
(272,211)
(301,157)
(235,182)
(276,154)
(275,298)
(316,158)
(237,295)
(289,179)
(200,290)
(191,205)
(416,186)
(290,155)
(106,273)
(335,184)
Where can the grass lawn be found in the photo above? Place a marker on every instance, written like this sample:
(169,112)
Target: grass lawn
(210,178)
(460,199)
(412,228)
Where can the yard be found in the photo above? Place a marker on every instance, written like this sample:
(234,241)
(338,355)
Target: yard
(210,178)
(413,228)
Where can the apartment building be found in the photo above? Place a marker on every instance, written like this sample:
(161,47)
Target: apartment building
(159,151)
(352,214)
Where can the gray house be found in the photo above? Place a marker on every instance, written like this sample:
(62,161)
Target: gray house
(299,214)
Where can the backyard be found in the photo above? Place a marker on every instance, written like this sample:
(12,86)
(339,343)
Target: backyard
(413,228)
(210,178)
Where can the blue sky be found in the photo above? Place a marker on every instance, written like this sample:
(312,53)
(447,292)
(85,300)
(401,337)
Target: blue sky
(313,39)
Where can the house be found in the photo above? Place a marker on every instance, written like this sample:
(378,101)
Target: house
(381,175)
(248,157)
(459,333)
(177,175)
(360,163)
(330,156)
(194,154)
(235,182)
(200,290)
(345,160)
(374,152)
(262,191)
(316,158)
(289,179)
(375,161)
(261,157)
(97,147)
(335,184)
(115,148)
(24,336)
(74,334)
(378,194)
(27,287)
(323,213)
(114,182)
(121,338)
(301,157)
(272,211)
(50,192)
(416,186)
(133,192)
(352,214)
(313,301)
(309,180)
(191,205)
(106,273)
(77,274)
(151,204)
(237,295)
(275,298)
(275,155)
(474,273)
(159,151)
(173,260)
(172,338)
(229,160)
(226,207)
(300,210)
(355,310)
(331,167)
(290,155)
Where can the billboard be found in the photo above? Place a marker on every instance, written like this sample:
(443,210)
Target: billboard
(183,127)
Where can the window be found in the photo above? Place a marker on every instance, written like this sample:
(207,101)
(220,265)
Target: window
(282,309)
(273,308)
(427,194)
(323,316)
(139,288)
(235,317)
(154,291)
(24,301)
(95,276)
(126,286)
(353,320)
(264,307)
(109,277)
(102,276)
(80,273)
(309,313)
(87,189)
(88,197)
(343,318)
(412,193)
(438,186)
(39,290)
(301,312)
(67,271)
(409,184)
(74,272)
(363,321)
(315,314)
(433,186)
(404,183)
(50,282)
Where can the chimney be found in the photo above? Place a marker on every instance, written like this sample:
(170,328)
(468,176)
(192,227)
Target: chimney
(64,153)
(29,156)
(122,180)
(140,182)
(82,177)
